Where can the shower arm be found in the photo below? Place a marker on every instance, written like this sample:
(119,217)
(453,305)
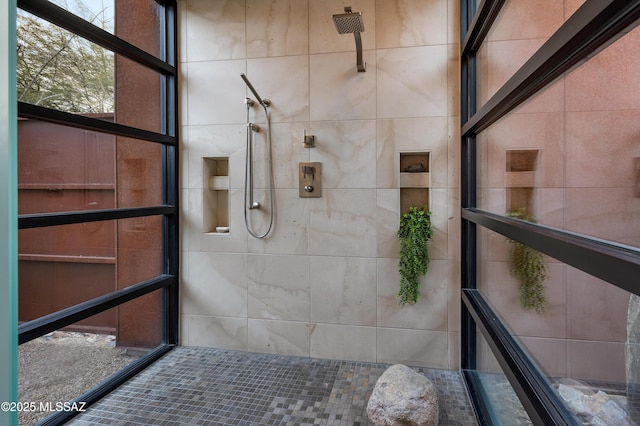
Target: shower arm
(359,63)
(349,22)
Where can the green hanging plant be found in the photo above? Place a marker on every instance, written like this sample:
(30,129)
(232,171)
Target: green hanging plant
(527,265)
(414,235)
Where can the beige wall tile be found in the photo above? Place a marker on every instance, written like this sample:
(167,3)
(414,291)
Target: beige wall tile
(279,287)
(278,337)
(413,347)
(411,135)
(439,206)
(412,82)
(277,28)
(453,29)
(454,351)
(347,151)
(215,30)
(285,82)
(430,313)
(182,31)
(345,342)
(343,290)
(388,220)
(453,226)
(217,332)
(343,223)
(215,283)
(338,91)
(287,151)
(291,225)
(212,88)
(406,23)
(215,141)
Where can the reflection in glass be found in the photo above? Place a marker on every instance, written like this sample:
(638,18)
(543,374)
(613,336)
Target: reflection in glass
(513,39)
(586,340)
(62,365)
(575,145)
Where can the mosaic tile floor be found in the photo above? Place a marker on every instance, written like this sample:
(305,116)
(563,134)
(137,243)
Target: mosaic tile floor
(205,386)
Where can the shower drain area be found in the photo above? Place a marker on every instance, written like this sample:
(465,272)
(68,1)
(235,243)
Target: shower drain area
(204,386)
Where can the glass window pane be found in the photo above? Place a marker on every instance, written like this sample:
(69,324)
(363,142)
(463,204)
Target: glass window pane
(136,22)
(62,365)
(137,95)
(98,12)
(62,71)
(583,335)
(59,70)
(62,266)
(570,156)
(62,168)
(520,29)
(502,401)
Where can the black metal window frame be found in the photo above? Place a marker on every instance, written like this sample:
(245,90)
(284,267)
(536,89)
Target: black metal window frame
(167,282)
(595,25)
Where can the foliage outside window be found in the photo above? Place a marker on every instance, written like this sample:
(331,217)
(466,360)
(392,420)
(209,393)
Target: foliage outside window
(60,70)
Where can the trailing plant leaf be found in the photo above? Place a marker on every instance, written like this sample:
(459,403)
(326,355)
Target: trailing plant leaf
(527,265)
(414,235)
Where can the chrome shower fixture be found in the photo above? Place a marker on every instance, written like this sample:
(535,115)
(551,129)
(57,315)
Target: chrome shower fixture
(351,22)
(263,102)
(248,174)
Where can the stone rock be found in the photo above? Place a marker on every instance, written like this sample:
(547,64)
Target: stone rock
(594,409)
(403,397)
(632,358)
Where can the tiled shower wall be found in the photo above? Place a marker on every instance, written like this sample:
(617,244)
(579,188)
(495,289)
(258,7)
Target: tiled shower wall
(324,282)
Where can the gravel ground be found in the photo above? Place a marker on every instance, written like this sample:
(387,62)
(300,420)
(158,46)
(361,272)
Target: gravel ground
(60,366)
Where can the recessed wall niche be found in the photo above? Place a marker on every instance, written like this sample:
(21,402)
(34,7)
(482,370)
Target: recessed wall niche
(521,166)
(215,195)
(415,180)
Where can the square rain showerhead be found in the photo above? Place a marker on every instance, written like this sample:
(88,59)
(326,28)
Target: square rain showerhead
(349,22)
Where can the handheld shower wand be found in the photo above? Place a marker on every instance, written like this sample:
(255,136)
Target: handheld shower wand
(263,102)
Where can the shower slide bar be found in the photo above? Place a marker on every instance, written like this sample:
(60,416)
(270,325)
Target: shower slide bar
(248,185)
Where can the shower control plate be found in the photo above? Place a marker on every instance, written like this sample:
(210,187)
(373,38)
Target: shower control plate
(309,174)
